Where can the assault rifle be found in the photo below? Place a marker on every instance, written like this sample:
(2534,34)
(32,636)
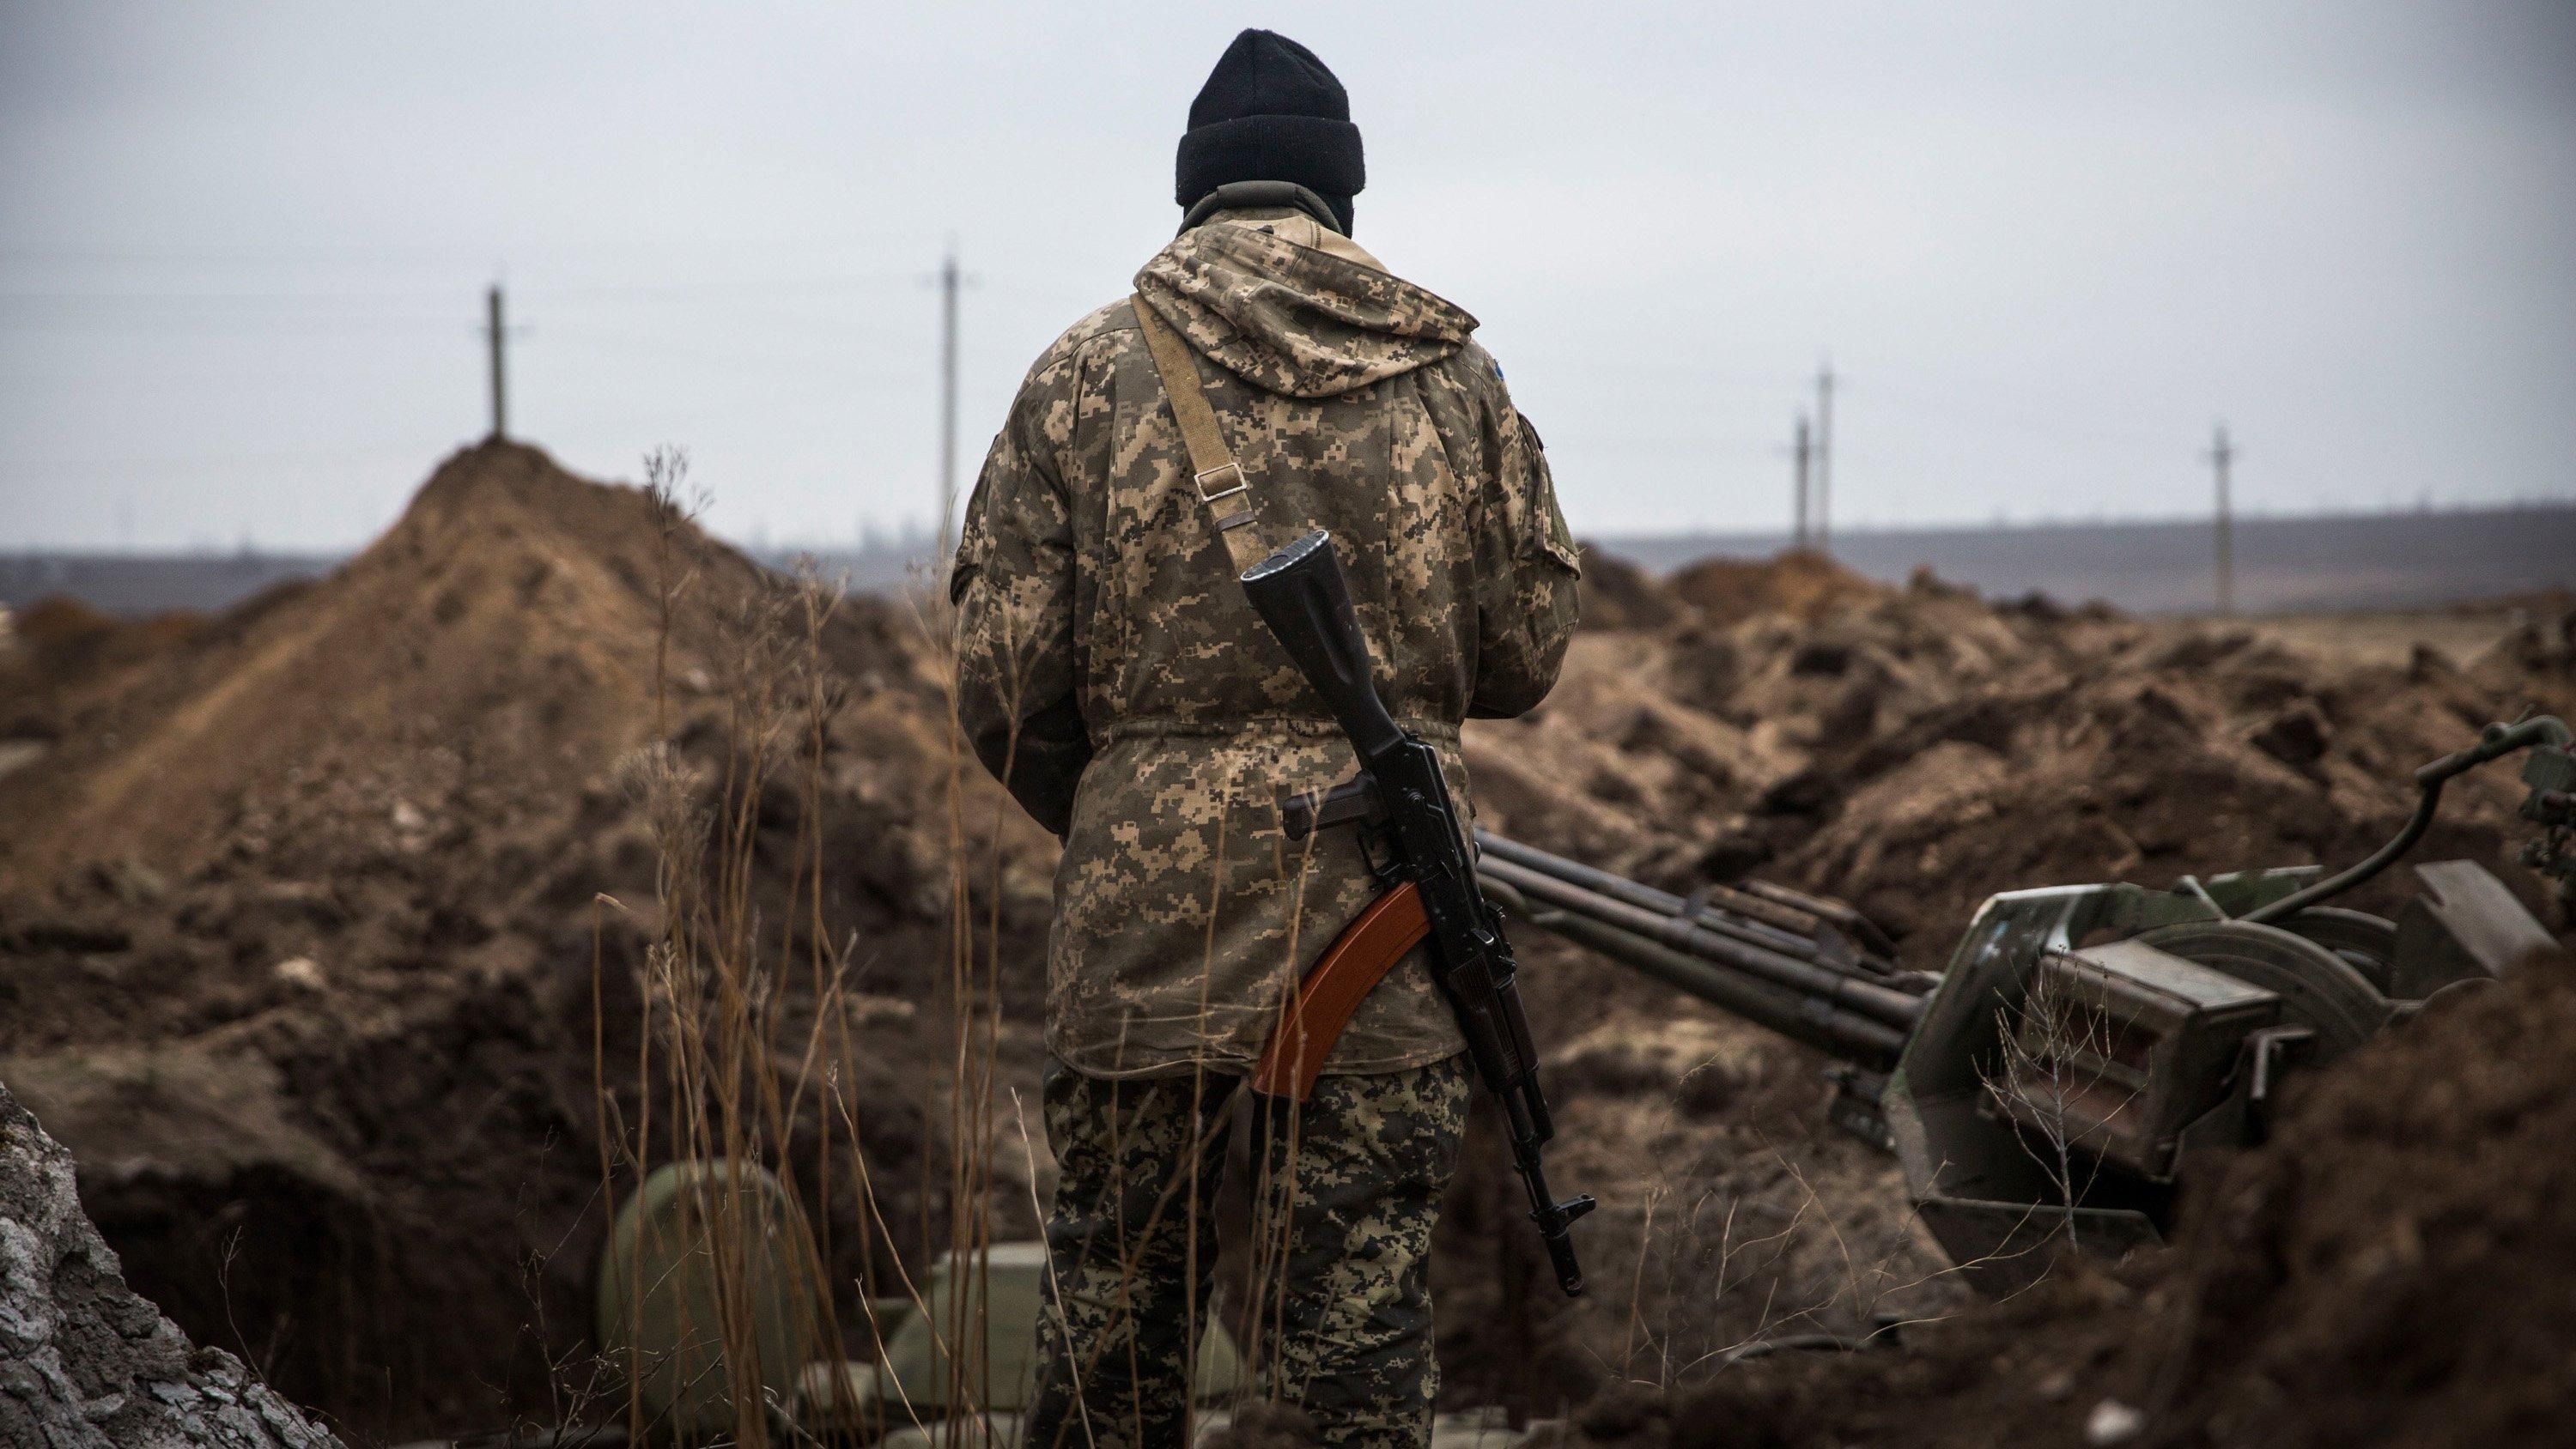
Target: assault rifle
(1401,802)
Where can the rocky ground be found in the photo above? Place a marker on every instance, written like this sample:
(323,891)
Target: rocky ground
(325,929)
(85,1361)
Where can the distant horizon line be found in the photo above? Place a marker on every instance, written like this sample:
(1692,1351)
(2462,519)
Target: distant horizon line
(909,539)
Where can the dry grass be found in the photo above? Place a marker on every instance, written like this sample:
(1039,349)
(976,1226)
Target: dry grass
(746,1046)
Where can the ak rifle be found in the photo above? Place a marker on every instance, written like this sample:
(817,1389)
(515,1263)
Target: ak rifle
(1416,841)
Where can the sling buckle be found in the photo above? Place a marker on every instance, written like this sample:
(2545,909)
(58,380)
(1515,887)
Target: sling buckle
(1219,472)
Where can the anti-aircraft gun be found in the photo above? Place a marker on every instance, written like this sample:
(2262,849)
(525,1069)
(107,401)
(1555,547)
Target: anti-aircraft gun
(2083,1042)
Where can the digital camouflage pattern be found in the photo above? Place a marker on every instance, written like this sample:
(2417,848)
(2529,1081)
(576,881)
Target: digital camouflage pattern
(1111,672)
(1347,1187)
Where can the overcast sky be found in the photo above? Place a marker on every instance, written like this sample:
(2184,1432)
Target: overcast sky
(2046,247)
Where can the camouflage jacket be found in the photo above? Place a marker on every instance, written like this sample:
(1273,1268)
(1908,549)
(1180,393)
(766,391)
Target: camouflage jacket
(1112,674)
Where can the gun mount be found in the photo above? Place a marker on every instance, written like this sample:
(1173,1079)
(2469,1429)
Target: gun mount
(2083,1042)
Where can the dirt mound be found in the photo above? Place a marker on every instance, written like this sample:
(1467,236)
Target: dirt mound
(1914,751)
(59,652)
(1800,584)
(513,614)
(302,942)
(2395,1268)
(1618,594)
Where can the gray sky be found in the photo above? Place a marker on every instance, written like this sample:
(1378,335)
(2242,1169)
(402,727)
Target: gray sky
(242,246)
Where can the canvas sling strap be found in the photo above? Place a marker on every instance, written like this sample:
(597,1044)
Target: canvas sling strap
(1220,481)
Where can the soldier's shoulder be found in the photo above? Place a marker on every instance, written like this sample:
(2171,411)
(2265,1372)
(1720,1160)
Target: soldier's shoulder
(1472,357)
(1103,329)
(1110,325)
(1473,370)
(1472,373)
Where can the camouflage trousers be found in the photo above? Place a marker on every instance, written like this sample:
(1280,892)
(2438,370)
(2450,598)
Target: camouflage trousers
(1346,1188)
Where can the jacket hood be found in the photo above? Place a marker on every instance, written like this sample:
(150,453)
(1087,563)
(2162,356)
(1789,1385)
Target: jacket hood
(1293,319)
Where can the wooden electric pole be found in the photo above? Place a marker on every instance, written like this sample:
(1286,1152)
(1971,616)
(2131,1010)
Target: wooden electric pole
(496,335)
(948,402)
(1803,453)
(1824,464)
(2221,454)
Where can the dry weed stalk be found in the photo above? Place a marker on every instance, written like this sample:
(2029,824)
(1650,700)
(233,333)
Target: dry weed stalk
(1698,1259)
(714,988)
(2039,1076)
(973,1020)
(720,1071)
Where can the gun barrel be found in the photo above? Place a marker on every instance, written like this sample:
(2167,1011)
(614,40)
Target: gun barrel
(1844,991)
(1775,926)
(1826,932)
(1810,1019)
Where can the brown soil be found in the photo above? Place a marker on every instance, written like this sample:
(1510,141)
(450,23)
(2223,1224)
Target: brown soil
(1916,751)
(2392,1269)
(299,913)
(298,924)
(1619,595)
(60,654)
(1802,585)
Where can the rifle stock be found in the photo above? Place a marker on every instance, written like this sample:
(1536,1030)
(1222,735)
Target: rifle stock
(1301,594)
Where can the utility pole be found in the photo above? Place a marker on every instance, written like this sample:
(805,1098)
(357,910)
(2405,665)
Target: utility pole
(2221,454)
(948,400)
(497,334)
(1803,452)
(1824,464)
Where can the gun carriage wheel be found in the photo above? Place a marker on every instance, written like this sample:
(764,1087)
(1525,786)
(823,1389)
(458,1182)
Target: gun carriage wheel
(2366,942)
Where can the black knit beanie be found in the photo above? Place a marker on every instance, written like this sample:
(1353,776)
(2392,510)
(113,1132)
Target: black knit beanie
(1271,111)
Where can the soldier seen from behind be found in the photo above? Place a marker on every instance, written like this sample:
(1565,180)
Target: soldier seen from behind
(1112,674)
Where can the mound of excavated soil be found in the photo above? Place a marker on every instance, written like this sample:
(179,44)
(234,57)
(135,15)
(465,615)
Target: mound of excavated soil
(59,655)
(1800,584)
(299,919)
(1618,594)
(1916,751)
(508,625)
(2396,1267)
